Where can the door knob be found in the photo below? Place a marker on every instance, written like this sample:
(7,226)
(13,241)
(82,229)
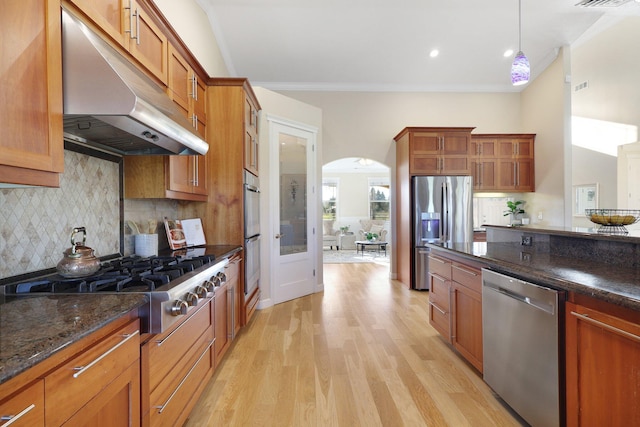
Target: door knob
(279,235)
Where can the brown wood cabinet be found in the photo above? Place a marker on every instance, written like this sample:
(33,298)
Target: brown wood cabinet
(438,151)
(177,364)
(602,364)
(26,407)
(455,304)
(233,273)
(129,24)
(503,162)
(424,151)
(165,177)
(31,147)
(222,327)
(104,379)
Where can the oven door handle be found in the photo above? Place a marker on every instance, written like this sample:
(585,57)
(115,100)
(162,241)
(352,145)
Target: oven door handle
(252,188)
(252,239)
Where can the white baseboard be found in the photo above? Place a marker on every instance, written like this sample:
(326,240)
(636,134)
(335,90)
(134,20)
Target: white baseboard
(264,303)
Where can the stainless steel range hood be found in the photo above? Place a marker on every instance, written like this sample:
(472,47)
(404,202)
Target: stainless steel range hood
(109,104)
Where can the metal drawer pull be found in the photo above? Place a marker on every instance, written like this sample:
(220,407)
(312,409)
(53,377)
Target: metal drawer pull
(83,369)
(588,319)
(13,418)
(437,259)
(540,305)
(444,313)
(472,273)
(160,342)
(161,408)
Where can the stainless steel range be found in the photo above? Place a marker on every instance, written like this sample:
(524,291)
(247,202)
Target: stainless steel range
(175,284)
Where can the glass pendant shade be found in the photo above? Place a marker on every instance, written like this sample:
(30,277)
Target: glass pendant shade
(520,70)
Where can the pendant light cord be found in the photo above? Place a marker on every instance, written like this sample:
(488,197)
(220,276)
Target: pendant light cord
(519,25)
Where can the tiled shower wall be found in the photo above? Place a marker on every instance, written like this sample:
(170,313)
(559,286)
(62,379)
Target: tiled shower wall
(36,222)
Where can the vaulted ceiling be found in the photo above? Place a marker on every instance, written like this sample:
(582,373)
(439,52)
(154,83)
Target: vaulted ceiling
(384,45)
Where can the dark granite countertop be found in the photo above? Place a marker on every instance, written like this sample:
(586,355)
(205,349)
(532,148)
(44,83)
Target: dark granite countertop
(633,236)
(33,328)
(613,283)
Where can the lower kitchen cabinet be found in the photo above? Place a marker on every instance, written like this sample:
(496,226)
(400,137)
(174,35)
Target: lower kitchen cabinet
(100,383)
(222,327)
(455,304)
(602,364)
(176,366)
(236,292)
(25,408)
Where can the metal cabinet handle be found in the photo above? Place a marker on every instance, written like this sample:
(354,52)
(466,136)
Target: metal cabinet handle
(194,87)
(437,259)
(82,369)
(606,326)
(444,313)
(472,273)
(162,407)
(130,30)
(13,418)
(232,325)
(137,37)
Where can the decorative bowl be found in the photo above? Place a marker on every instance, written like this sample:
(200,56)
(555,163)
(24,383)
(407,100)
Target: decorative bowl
(613,220)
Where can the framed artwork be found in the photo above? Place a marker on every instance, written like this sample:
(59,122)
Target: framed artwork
(585,196)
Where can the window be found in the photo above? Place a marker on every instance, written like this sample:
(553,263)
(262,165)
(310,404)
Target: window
(329,198)
(379,198)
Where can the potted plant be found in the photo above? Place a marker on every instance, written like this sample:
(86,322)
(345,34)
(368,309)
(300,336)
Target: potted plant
(371,236)
(344,229)
(514,209)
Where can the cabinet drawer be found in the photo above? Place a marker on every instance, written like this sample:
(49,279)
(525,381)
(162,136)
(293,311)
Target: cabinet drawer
(232,269)
(169,349)
(440,319)
(439,290)
(467,276)
(170,406)
(79,380)
(440,266)
(25,408)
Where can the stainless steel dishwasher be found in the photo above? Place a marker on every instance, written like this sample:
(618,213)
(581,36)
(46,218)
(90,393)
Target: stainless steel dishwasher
(521,331)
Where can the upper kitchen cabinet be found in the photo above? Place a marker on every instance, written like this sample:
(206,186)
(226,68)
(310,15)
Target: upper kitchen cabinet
(437,151)
(233,135)
(503,162)
(31,147)
(129,24)
(165,177)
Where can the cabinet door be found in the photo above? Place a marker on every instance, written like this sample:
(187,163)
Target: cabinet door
(31,147)
(456,143)
(424,143)
(506,148)
(149,45)
(523,147)
(485,174)
(180,176)
(481,147)
(525,175)
(250,137)
(222,328)
(25,408)
(455,165)
(86,377)
(198,105)
(200,175)
(467,323)
(425,165)
(179,79)
(602,366)
(112,16)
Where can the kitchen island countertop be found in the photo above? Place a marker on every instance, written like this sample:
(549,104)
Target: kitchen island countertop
(612,283)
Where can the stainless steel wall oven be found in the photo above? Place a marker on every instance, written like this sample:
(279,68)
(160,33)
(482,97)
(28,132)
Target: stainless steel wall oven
(251,233)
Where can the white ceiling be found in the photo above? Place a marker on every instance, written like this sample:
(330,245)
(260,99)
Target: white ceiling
(384,45)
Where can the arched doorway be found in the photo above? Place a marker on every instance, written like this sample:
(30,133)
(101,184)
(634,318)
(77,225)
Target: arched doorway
(356,194)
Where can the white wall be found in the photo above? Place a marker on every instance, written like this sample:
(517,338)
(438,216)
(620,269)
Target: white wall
(543,113)
(191,23)
(276,105)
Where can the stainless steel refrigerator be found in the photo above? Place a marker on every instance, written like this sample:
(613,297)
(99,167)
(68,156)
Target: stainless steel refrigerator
(442,212)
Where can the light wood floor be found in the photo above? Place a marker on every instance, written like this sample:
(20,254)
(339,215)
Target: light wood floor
(359,354)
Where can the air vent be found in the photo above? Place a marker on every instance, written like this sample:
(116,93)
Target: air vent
(601,3)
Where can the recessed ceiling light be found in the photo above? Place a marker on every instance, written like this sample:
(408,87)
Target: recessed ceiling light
(434,53)
(508,53)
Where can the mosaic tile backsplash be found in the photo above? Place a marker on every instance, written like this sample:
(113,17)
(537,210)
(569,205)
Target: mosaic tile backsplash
(37,222)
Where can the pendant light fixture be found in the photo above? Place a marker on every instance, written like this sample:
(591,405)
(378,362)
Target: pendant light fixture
(520,70)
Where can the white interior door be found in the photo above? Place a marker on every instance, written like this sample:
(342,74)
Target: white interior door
(293,202)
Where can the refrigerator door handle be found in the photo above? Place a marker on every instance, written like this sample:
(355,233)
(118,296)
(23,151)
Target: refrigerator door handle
(443,210)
